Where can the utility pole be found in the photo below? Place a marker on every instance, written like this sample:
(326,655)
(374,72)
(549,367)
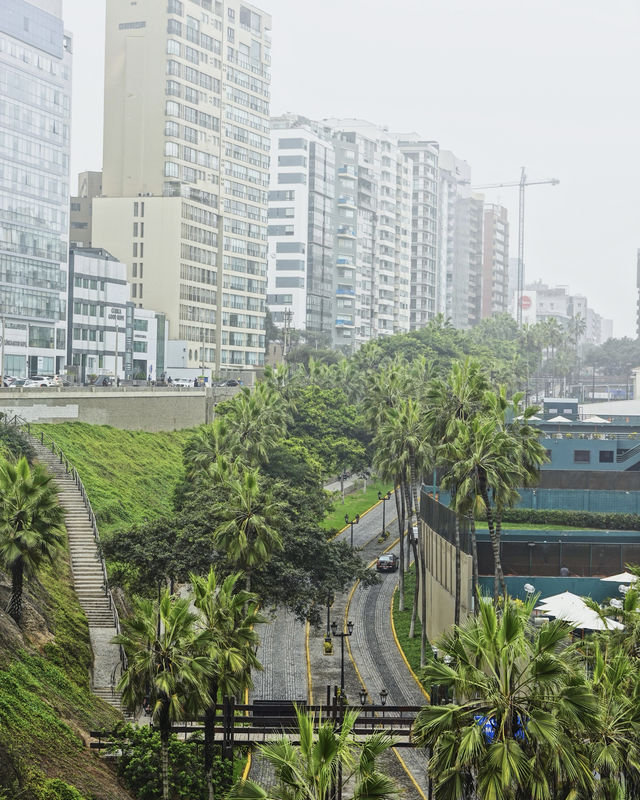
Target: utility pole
(521,184)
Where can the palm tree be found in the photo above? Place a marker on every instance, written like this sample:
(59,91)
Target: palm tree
(210,443)
(449,402)
(521,711)
(258,419)
(230,616)
(481,463)
(248,535)
(31,525)
(310,770)
(613,745)
(405,434)
(168,665)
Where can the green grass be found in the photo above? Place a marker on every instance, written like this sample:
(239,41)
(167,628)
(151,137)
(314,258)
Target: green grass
(533,526)
(357,503)
(46,706)
(402,619)
(129,475)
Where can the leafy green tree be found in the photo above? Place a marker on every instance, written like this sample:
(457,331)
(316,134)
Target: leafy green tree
(229,615)
(31,525)
(310,770)
(248,533)
(331,428)
(168,665)
(522,710)
(139,764)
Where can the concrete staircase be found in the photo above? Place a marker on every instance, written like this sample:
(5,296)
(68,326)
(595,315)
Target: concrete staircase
(89,578)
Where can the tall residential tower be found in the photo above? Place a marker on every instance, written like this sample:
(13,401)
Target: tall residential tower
(185,173)
(35,111)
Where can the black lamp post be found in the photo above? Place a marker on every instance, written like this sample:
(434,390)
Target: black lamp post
(363,696)
(343,636)
(352,522)
(383,696)
(384,498)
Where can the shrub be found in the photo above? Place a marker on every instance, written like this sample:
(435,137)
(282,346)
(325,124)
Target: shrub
(15,442)
(612,521)
(140,767)
(55,789)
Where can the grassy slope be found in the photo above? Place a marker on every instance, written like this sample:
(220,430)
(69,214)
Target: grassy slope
(46,706)
(129,475)
(356,503)
(401,620)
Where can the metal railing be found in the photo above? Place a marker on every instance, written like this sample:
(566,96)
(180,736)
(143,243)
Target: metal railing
(48,442)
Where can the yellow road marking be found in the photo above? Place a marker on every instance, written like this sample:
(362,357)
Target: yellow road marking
(404,658)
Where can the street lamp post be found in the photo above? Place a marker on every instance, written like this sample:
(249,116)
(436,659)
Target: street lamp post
(342,636)
(384,498)
(352,522)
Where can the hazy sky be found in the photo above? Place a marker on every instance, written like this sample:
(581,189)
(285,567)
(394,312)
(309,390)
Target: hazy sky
(551,85)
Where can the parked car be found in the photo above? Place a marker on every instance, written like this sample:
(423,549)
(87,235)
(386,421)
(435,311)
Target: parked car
(182,383)
(17,383)
(387,563)
(32,383)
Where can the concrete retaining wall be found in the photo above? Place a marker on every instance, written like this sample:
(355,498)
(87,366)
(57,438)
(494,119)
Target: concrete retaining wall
(441,571)
(128,408)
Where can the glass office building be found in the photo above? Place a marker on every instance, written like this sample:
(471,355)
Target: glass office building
(35,110)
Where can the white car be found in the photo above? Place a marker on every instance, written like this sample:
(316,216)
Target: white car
(182,383)
(39,381)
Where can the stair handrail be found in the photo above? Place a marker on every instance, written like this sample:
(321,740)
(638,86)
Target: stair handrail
(20,422)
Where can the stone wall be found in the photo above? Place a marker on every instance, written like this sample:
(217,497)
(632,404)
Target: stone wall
(128,408)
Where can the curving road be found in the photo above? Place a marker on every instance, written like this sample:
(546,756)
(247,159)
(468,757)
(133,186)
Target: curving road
(283,651)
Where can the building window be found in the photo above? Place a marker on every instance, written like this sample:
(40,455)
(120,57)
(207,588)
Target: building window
(134,269)
(140,325)
(581,457)
(171,170)
(606,457)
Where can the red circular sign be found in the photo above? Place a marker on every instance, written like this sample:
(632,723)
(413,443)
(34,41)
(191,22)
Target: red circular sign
(525,301)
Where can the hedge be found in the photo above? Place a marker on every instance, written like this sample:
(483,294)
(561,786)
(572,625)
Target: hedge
(575,519)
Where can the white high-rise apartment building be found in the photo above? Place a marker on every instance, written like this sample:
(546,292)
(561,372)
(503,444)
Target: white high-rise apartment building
(495,261)
(459,243)
(35,112)
(339,233)
(186,160)
(301,235)
(373,233)
(423,156)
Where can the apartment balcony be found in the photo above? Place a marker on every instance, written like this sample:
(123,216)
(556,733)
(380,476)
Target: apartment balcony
(345,262)
(344,323)
(347,201)
(347,172)
(346,292)
(346,233)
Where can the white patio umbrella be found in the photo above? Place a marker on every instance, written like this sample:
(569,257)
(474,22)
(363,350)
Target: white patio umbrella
(559,419)
(622,577)
(530,419)
(572,608)
(596,420)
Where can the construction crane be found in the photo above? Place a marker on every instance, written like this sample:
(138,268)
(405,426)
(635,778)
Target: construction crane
(522,183)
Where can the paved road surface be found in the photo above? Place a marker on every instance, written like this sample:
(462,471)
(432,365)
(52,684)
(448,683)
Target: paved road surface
(283,652)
